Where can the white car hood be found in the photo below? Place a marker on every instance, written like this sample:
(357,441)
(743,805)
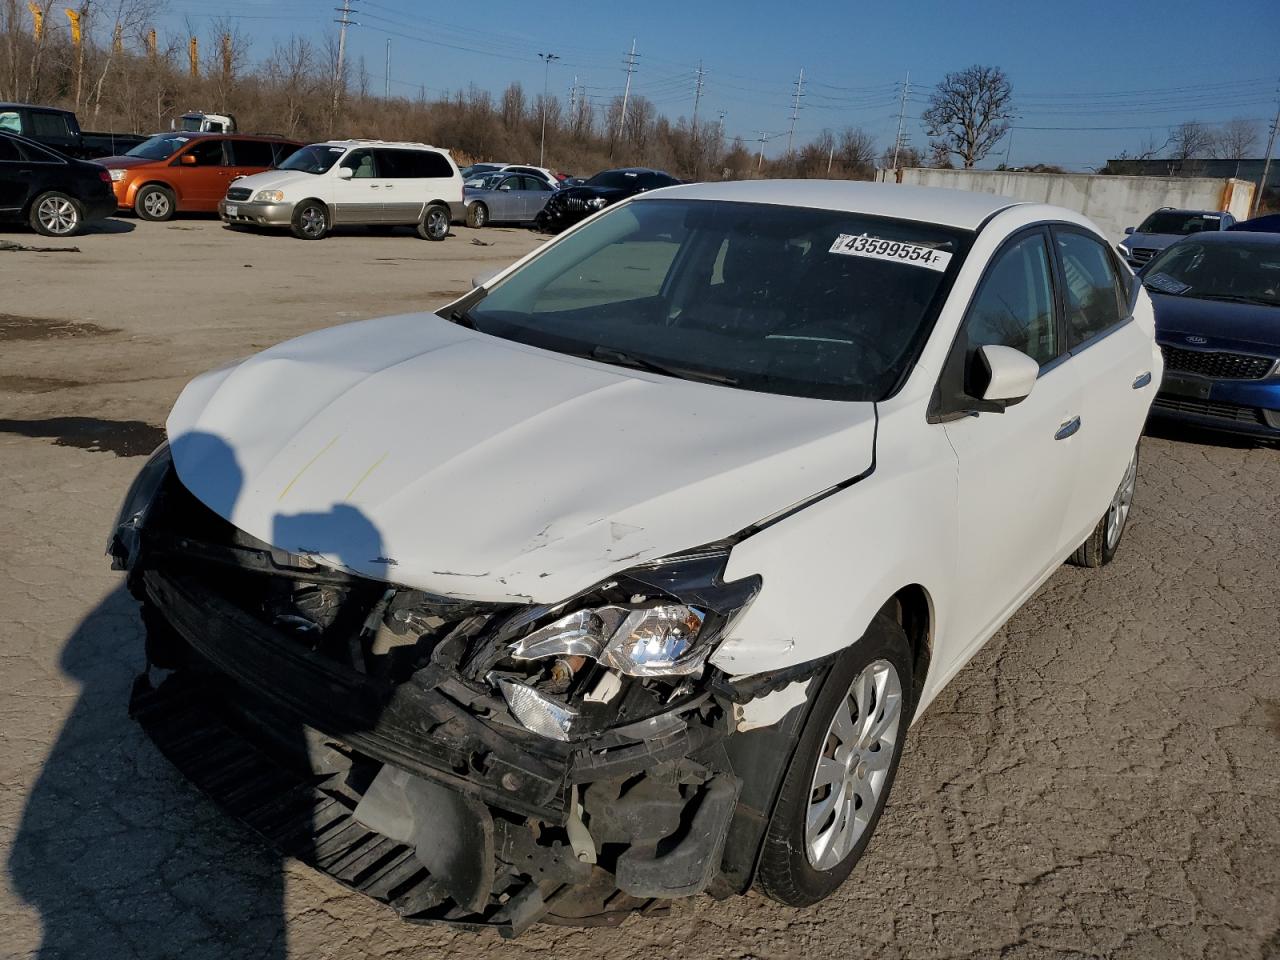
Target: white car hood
(417,451)
(269,180)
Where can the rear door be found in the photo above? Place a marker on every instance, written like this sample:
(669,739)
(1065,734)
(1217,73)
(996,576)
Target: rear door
(54,128)
(1017,468)
(200,185)
(359,199)
(1112,356)
(536,194)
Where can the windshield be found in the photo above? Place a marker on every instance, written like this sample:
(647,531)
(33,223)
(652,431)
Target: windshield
(614,179)
(803,302)
(314,159)
(485,181)
(160,147)
(1249,272)
(1180,222)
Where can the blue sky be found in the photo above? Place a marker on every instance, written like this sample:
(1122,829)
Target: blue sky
(1090,78)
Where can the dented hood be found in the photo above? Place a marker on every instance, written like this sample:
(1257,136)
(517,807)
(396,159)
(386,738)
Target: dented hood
(417,451)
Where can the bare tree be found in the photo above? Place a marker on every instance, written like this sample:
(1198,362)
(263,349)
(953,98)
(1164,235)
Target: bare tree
(1190,141)
(969,111)
(939,157)
(513,106)
(907,156)
(1234,140)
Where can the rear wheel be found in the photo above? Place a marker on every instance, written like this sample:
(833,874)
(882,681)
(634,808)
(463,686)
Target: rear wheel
(55,214)
(155,202)
(310,220)
(477,215)
(435,223)
(842,770)
(1101,546)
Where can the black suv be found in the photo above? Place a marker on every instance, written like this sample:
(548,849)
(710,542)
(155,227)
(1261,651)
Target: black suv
(568,205)
(54,193)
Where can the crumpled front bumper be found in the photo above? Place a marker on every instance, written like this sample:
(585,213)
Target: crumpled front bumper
(414,797)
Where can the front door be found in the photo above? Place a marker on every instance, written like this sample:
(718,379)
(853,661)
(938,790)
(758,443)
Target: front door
(508,200)
(1017,468)
(1112,356)
(358,199)
(15,176)
(202,183)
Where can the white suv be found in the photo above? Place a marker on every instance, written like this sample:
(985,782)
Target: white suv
(356,182)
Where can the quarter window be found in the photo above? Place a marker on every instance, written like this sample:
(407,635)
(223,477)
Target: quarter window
(1092,289)
(1014,305)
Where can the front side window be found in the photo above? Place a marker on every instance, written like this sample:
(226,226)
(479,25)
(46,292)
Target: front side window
(314,159)
(1092,289)
(9,151)
(361,163)
(803,302)
(208,153)
(1014,305)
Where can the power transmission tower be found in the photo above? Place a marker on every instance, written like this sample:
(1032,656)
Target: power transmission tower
(902,115)
(795,108)
(573,97)
(626,92)
(1266,165)
(546,59)
(343,20)
(697,94)
(720,130)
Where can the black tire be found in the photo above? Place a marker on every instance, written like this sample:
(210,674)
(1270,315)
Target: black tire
(434,224)
(785,873)
(477,215)
(56,214)
(1101,546)
(310,220)
(155,203)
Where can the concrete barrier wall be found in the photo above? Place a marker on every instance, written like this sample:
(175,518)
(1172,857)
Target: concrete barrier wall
(1113,203)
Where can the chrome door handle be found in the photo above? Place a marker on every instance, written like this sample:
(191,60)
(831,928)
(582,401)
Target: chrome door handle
(1142,381)
(1068,428)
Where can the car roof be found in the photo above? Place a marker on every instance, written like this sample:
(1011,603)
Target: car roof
(1191,213)
(965,209)
(377,143)
(8,105)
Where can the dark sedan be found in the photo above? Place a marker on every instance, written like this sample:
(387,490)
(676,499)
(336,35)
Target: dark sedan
(1217,306)
(571,204)
(55,194)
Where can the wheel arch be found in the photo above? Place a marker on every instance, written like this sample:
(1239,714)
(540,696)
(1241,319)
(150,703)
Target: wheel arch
(141,185)
(912,608)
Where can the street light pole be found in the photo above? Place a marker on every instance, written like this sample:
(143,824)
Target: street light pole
(546,77)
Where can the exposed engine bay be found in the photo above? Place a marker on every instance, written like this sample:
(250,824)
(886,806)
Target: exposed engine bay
(518,762)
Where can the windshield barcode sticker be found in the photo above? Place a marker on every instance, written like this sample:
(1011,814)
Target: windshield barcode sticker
(900,251)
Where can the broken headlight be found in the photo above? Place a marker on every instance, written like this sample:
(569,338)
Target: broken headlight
(643,641)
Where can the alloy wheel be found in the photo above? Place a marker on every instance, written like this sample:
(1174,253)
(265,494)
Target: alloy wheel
(1118,511)
(156,204)
(853,767)
(58,215)
(313,222)
(437,223)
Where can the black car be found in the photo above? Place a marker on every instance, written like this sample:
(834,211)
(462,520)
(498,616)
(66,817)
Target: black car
(56,194)
(573,203)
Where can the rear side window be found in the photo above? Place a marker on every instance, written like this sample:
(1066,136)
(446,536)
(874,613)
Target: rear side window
(52,126)
(413,164)
(1091,287)
(251,153)
(533,183)
(1014,305)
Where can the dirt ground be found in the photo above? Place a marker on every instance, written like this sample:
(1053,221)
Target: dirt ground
(1102,780)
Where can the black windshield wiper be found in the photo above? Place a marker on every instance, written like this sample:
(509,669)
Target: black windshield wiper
(621,358)
(1238,298)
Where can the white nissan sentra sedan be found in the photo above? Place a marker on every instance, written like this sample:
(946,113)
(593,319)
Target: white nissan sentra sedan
(621,578)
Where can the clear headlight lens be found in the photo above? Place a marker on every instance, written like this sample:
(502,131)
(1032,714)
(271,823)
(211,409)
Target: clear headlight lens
(540,714)
(649,641)
(116,175)
(269,196)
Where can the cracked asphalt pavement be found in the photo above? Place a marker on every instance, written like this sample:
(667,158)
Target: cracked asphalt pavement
(1102,780)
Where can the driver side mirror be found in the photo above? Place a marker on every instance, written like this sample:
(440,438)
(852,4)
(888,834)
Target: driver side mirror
(1128,231)
(1010,375)
(345,173)
(188,160)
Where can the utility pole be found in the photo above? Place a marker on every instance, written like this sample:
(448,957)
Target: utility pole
(1266,166)
(626,92)
(762,138)
(546,59)
(902,112)
(795,108)
(1008,147)
(720,129)
(697,95)
(386,73)
(343,20)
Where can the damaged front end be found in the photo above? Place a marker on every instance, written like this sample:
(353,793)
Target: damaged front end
(467,762)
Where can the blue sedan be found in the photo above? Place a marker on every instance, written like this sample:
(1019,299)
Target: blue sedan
(1217,306)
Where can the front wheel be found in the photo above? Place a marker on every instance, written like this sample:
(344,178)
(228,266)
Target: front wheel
(155,203)
(1101,546)
(55,214)
(434,224)
(310,220)
(842,770)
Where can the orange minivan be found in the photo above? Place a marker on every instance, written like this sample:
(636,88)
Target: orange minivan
(189,172)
